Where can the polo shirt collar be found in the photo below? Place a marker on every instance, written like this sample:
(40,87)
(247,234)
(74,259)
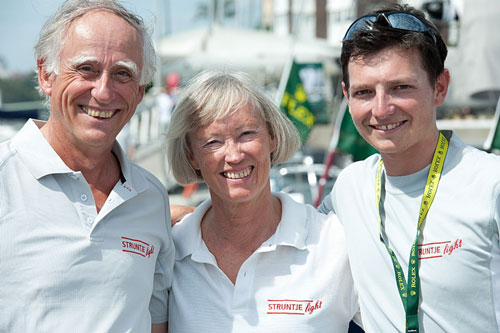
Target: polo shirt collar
(187,232)
(293,227)
(36,152)
(291,231)
(41,159)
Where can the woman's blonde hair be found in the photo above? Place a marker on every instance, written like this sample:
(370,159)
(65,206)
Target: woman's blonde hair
(212,95)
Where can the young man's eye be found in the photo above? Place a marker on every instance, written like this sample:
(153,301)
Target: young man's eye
(361,92)
(403,86)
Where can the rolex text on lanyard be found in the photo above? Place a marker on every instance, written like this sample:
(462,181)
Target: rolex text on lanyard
(409,292)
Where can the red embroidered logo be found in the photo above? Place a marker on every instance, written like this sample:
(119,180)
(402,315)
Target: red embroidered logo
(137,246)
(438,249)
(292,307)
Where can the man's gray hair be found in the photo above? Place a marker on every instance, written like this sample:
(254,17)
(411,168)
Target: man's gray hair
(212,95)
(53,34)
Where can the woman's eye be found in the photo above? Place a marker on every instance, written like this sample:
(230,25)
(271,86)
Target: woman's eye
(212,144)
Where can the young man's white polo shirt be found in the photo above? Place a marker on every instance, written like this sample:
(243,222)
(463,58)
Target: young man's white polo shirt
(459,246)
(297,281)
(63,266)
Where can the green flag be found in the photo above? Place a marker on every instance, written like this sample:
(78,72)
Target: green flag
(495,144)
(348,139)
(351,142)
(312,75)
(295,105)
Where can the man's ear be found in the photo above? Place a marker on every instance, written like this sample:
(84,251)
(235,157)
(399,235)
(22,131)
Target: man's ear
(44,78)
(346,95)
(142,91)
(344,90)
(441,89)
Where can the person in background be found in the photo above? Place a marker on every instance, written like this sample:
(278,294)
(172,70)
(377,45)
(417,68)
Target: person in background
(421,218)
(128,141)
(173,85)
(84,234)
(248,259)
(167,99)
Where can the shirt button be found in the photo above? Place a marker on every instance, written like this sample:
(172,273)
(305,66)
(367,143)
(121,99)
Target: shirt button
(83,197)
(89,220)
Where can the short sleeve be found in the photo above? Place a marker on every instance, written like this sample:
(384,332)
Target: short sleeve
(158,305)
(326,205)
(163,276)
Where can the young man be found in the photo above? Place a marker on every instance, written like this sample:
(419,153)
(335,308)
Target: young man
(422,218)
(85,243)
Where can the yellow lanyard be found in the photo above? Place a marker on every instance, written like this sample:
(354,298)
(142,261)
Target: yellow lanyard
(409,292)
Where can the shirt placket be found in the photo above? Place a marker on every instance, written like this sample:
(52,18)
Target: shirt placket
(83,201)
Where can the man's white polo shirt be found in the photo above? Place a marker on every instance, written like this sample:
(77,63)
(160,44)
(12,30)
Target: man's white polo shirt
(297,281)
(63,266)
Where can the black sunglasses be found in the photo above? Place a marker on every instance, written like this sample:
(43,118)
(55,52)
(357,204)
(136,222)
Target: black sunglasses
(392,19)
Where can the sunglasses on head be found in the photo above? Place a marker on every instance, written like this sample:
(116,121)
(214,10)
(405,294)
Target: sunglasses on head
(392,19)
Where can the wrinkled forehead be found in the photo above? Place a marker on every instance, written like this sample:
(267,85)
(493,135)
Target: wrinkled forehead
(105,30)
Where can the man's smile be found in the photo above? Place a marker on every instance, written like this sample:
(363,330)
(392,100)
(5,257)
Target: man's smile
(388,127)
(98,113)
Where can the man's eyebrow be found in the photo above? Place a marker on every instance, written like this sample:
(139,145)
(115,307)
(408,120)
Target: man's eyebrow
(78,60)
(403,80)
(359,86)
(397,81)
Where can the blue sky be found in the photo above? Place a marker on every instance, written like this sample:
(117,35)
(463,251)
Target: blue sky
(21,21)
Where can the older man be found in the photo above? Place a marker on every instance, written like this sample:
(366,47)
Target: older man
(85,243)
